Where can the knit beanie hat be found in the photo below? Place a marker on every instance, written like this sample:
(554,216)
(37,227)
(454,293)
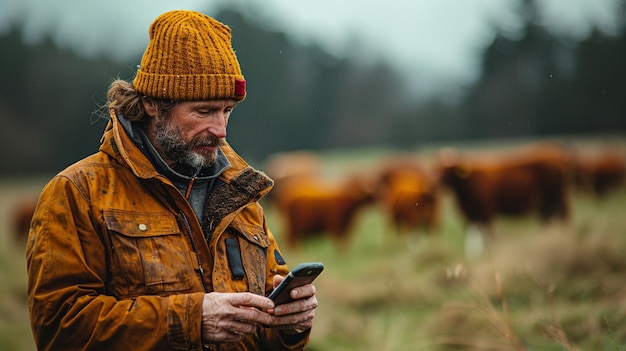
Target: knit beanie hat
(189,57)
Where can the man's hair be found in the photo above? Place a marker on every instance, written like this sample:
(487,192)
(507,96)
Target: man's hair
(127,101)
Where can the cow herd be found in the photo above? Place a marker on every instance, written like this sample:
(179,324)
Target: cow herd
(537,179)
(534,179)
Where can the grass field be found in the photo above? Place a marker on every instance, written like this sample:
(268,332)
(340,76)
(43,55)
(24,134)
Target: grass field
(559,287)
(14,328)
(541,287)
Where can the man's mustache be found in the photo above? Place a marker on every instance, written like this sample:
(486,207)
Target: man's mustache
(211,140)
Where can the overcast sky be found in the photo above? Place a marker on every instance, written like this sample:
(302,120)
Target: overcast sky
(427,39)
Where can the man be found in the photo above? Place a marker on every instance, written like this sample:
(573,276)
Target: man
(157,241)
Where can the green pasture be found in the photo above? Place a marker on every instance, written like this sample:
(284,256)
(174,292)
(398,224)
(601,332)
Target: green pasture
(560,286)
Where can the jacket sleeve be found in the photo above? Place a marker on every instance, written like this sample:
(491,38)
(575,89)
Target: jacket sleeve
(68,302)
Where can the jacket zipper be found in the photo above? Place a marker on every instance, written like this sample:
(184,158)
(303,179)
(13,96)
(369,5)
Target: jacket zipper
(188,192)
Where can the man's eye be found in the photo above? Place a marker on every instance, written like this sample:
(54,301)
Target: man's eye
(205,113)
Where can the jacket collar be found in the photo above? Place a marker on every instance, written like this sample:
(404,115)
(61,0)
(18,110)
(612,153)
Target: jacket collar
(116,143)
(241,183)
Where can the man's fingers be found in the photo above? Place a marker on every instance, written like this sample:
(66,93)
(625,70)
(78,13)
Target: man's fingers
(251,300)
(303,291)
(277,280)
(252,316)
(297,306)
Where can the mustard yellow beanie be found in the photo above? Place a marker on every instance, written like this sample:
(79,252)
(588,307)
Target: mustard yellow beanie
(189,57)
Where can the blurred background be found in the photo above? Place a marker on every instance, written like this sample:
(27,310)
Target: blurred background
(341,88)
(327,75)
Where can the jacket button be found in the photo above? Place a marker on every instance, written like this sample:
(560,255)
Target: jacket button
(142,227)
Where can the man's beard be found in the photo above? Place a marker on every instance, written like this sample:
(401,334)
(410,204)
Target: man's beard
(170,141)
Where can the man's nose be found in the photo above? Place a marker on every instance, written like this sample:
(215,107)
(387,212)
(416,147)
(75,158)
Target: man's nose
(217,127)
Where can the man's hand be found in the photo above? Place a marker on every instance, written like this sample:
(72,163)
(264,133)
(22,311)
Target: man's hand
(228,317)
(297,316)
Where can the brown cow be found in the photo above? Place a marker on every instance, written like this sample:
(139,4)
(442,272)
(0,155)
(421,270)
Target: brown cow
(311,205)
(600,171)
(409,195)
(534,180)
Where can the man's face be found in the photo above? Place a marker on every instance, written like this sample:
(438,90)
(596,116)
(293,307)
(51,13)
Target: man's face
(191,132)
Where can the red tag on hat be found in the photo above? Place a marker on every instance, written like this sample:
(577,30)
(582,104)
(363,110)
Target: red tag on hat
(240,87)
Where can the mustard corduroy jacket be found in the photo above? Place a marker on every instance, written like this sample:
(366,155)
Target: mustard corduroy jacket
(117,260)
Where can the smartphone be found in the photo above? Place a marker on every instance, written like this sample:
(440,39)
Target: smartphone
(304,273)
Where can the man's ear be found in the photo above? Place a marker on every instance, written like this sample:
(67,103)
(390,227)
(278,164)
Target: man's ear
(151,107)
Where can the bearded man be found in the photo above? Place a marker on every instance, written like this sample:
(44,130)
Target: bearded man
(158,241)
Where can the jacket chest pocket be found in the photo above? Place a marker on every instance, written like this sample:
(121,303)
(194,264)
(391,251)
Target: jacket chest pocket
(149,254)
(245,268)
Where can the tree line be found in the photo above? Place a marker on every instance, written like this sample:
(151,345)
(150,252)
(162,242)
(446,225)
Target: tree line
(300,97)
